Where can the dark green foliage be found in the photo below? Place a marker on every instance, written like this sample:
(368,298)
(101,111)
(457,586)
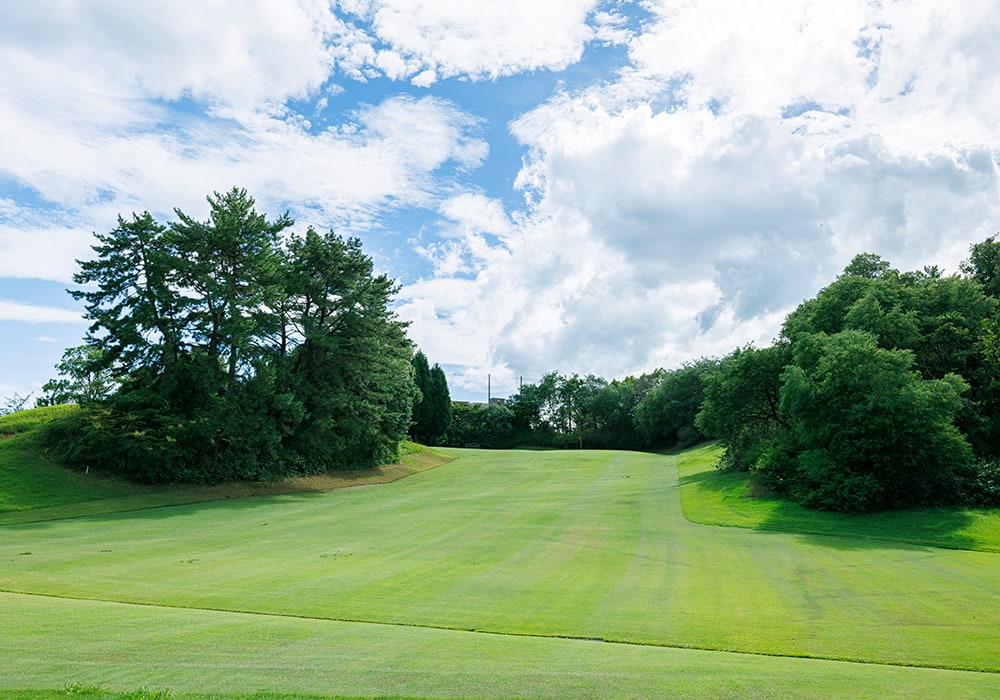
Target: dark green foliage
(979,484)
(983,265)
(423,406)
(135,308)
(872,433)
(666,415)
(531,406)
(742,404)
(82,378)
(943,321)
(567,410)
(346,357)
(440,414)
(432,412)
(891,389)
(490,426)
(612,423)
(239,358)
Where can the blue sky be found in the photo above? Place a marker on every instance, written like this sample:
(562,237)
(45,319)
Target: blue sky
(585,186)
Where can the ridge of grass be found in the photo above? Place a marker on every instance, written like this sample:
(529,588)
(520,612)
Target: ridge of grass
(735,499)
(35,487)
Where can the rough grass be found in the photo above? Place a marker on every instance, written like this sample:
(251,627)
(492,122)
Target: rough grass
(735,499)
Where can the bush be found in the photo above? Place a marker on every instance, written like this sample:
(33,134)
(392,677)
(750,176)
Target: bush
(980,486)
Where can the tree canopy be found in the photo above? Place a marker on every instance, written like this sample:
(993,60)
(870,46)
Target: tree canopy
(432,412)
(238,350)
(880,393)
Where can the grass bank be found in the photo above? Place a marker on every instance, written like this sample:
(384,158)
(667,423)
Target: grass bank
(497,574)
(734,499)
(33,486)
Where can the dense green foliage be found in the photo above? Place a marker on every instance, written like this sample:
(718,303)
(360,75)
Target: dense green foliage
(870,433)
(668,411)
(432,411)
(83,379)
(742,402)
(880,394)
(238,353)
(571,411)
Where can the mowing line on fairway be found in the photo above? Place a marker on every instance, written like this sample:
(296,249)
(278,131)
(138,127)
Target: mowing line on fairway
(516,544)
(493,633)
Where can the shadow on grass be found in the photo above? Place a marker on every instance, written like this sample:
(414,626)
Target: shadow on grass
(736,499)
(151,502)
(112,510)
(938,527)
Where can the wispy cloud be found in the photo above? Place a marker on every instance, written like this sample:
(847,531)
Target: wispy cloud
(30,313)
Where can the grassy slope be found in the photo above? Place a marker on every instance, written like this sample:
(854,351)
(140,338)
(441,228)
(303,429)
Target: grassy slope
(550,544)
(34,487)
(229,655)
(571,544)
(731,499)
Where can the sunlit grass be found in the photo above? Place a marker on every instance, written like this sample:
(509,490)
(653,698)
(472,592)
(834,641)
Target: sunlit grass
(108,649)
(492,576)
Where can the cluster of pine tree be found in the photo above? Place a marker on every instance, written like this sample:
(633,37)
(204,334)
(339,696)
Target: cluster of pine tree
(237,352)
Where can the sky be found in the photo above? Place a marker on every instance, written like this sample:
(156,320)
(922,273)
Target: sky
(584,186)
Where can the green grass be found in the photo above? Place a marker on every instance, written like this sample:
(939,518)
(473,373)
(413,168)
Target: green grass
(33,486)
(493,575)
(199,654)
(733,499)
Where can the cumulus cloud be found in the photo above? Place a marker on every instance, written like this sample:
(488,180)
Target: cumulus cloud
(237,54)
(733,168)
(733,163)
(391,154)
(479,39)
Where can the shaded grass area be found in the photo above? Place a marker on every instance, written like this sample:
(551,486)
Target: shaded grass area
(735,499)
(33,486)
(113,649)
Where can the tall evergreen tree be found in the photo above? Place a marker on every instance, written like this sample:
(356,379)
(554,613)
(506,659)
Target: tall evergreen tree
(440,404)
(130,297)
(230,267)
(421,425)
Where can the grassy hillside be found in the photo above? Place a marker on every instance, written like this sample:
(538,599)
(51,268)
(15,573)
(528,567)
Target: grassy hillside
(499,574)
(33,486)
(734,499)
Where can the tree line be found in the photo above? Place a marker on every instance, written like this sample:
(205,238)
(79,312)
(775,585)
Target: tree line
(231,349)
(653,410)
(881,392)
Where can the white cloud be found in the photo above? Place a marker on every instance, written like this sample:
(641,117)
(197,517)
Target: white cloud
(676,208)
(478,38)
(747,154)
(29,313)
(393,154)
(236,53)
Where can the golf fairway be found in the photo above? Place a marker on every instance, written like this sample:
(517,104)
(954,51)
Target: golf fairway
(490,576)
